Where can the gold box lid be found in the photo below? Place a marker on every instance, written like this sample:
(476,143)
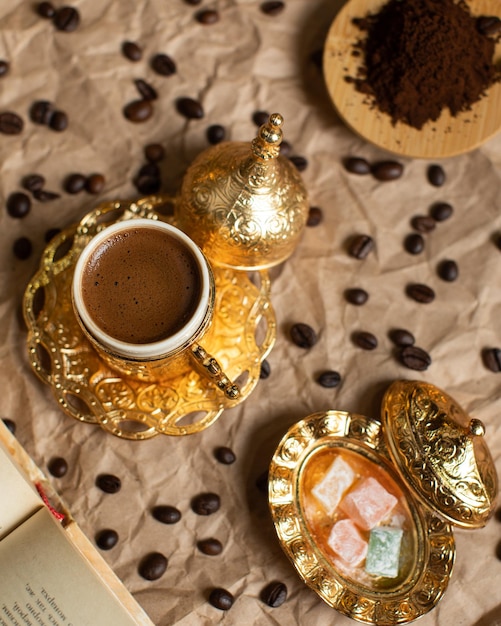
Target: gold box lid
(441,452)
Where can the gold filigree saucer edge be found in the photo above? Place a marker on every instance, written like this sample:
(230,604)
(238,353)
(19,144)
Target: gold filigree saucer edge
(89,391)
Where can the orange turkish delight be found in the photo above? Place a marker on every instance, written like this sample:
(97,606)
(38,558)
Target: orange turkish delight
(368,504)
(347,542)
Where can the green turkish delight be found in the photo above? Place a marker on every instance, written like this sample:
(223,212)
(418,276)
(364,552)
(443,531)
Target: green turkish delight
(383,554)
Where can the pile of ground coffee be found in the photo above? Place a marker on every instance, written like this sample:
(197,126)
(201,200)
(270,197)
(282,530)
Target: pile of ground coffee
(422,56)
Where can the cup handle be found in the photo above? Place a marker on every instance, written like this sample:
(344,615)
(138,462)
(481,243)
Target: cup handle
(211,368)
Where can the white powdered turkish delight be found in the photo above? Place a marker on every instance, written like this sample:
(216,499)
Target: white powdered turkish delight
(368,504)
(383,554)
(347,542)
(338,478)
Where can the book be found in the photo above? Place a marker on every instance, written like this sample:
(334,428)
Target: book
(50,573)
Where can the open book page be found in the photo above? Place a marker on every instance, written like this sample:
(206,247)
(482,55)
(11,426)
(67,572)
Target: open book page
(44,580)
(37,549)
(19,498)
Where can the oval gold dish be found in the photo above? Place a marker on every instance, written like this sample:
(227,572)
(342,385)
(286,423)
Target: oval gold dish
(447,136)
(350,522)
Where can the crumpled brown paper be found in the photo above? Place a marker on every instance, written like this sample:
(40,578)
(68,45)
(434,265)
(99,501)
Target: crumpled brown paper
(247,61)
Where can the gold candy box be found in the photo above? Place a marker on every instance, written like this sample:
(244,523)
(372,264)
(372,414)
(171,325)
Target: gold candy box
(365,509)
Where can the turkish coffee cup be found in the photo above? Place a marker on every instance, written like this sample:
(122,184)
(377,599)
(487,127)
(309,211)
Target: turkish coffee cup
(143,293)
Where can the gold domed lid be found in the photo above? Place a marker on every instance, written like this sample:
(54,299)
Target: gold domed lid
(243,203)
(441,452)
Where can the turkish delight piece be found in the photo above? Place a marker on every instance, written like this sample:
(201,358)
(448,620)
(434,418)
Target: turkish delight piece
(383,554)
(347,542)
(368,504)
(338,478)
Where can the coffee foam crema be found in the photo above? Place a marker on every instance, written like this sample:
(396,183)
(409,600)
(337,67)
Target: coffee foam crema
(139,285)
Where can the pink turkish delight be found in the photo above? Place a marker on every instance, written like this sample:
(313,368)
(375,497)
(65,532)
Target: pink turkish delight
(368,504)
(338,478)
(347,542)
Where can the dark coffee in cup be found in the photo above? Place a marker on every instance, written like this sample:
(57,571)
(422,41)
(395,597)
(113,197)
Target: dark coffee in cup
(141,285)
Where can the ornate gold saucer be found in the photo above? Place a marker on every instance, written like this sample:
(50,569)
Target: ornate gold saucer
(88,390)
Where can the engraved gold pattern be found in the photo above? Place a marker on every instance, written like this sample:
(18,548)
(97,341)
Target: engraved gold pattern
(435,550)
(244,204)
(441,452)
(90,391)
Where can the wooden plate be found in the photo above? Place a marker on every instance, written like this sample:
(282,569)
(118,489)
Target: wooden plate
(447,136)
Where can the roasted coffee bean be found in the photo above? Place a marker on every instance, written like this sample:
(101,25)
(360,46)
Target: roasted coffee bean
(221,599)
(415,358)
(274,594)
(11,123)
(356,296)
(448,270)
(146,91)
(166,514)
(285,148)
(206,503)
(498,550)
(46,9)
(74,183)
(420,293)
(58,467)
(163,64)
(154,152)
(225,455)
(4,67)
(489,25)
(436,175)
(193,2)
(357,165)
(303,335)
(300,162)
(360,246)
(265,370)
(33,182)
(272,7)
(153,566)
(11,425)
(51,233)
(497,515)
(492,359)
(108,483)
(95,183)
(215,134)
(401,337)
(441,211)
(58,121)
(22,248)
(149,169)
(262,482)
(210,546)
(138,111)
(67,19)
(260,117)
(207,16)
(189,108)
(106,539)
(315,216)
(42,195)
(147,184)
(414,243)
(365,340)
(423,223)
(317,58)
(387,170)
(132,51)
(329,379)
(41,111)
(18,204)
